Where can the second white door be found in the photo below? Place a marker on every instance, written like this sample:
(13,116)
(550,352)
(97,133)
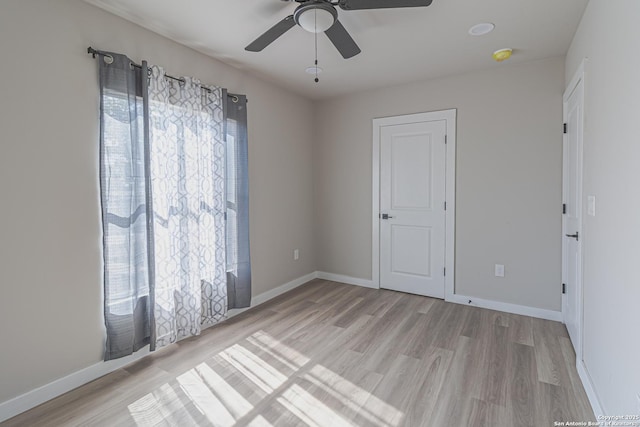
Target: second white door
(412,207)
(572,218)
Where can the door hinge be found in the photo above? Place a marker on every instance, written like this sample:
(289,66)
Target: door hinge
(564,208)
(445,206)
(564,128)
(445,271)
(445,139)
(564,288)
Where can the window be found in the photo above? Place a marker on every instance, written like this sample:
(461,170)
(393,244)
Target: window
(169,175)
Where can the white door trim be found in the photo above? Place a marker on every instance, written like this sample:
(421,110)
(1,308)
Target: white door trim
(449,116)
(578,78)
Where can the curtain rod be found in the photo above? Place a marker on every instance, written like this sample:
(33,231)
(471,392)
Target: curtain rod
(91,51)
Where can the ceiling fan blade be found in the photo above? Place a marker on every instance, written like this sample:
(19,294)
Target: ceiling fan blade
(381,4)
(342,40)
(271,34)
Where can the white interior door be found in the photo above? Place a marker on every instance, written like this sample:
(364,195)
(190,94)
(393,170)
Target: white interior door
(572,217)
(412,207)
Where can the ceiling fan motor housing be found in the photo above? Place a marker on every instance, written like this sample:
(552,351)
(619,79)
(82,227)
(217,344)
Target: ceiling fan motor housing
(315,22)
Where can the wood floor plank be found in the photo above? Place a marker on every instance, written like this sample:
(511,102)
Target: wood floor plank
(521,329)
(395,339)
(553,405)
(496,362)
(472,321)
(578,392)
(426,330)
(464,377)
(448,330)
(383,302)
(481,413)
(522,385)
(426,386)
(385,324)
(391,389)
(330,354)
(549,359)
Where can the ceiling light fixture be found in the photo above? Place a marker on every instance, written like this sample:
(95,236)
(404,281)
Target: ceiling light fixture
(502,54)
(481,29)
(316,17)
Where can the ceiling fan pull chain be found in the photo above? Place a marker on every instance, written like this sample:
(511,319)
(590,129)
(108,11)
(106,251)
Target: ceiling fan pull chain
(316,42)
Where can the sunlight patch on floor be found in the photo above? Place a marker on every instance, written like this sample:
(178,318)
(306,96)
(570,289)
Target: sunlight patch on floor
(237,405)
(147,411)
(373,409)
(289,356)
(259,421)
(204,399)
(310,410)
(223,405)
(163,404)
(254,368)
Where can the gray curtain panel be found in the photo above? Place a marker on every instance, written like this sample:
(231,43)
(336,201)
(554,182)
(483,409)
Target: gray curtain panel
(124,182)
(171,264)
(238,257)
(188,183)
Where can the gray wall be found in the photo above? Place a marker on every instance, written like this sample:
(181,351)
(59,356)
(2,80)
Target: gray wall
(509,174)
(50,254)
(608,35)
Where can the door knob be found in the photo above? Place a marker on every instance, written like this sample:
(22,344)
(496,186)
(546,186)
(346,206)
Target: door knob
(575,236)
(385,216)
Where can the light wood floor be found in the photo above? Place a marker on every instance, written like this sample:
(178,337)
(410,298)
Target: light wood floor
(328,354)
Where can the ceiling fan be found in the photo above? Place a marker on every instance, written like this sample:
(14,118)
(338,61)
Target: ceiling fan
(321,16)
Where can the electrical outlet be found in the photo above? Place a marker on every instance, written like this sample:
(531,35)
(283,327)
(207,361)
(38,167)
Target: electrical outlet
(296,254)
(499,270)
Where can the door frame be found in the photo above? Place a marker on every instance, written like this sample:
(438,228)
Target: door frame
(449,116)
(578,79)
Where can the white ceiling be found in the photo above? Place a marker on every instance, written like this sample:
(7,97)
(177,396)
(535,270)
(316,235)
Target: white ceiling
(398,45)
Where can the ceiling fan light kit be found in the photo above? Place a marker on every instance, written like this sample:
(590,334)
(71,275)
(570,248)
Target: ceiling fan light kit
(315,17)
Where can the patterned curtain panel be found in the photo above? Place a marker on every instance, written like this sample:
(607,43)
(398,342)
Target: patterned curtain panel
(238,259)
(125,202)
(188,185)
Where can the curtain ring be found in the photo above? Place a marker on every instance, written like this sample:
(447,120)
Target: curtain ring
(108,59)
(235,99)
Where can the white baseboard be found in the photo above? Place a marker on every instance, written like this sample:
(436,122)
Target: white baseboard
(33,398)
(589,389)
(346,279)
(266,296)
(459,299)
(507,307)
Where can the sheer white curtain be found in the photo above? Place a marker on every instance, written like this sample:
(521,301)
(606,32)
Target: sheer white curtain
(187,168)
